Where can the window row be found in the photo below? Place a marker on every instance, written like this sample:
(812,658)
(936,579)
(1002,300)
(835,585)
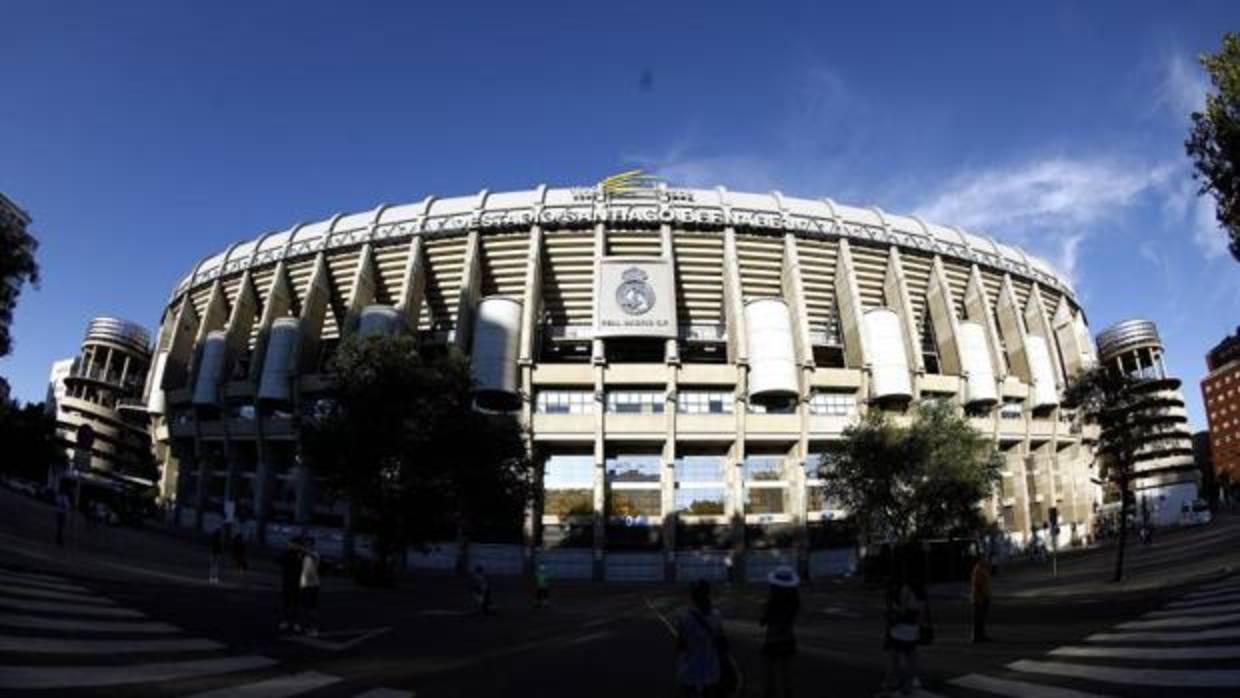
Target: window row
(825,403)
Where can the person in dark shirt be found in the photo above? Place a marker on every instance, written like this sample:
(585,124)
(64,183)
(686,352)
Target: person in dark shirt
(217,549)
(290,586)
(780,645)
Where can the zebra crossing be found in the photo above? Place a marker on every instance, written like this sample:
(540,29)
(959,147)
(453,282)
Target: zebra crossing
(57,635)
(1176,647)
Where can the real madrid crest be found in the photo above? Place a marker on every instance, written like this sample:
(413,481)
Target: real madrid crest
(634,295)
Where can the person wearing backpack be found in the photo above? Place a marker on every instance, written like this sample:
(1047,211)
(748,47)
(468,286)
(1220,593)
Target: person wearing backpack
(704,667)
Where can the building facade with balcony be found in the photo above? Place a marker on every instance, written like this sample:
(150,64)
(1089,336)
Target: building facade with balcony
(1220,393)
(682,359)
(1168,480)
(102,388)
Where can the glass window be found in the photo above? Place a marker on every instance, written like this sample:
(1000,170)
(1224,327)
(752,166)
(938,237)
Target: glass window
(634,469)
(568,485)
(764,500)
(1012,409)
(833,404)
(635,401)
(700,501)
(564,402)
(630,502)
(704,402)
(699,469)
(769,468)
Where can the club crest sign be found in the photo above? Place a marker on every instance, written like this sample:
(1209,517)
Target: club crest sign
(635,297)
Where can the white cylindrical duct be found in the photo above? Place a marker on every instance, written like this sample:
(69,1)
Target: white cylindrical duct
(211,368)
(379,320)
(280,362)
(889,374)
(772,356)
(1045,393)
(155,402)
(496,346)
(975,360)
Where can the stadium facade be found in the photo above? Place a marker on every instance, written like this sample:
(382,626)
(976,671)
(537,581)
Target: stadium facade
(681,358)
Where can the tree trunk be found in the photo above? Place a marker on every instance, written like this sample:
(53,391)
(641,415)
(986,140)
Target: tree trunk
(1123,533)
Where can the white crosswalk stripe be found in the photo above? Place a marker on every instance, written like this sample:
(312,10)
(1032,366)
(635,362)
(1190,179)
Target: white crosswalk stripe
(69,608)
(277,687)
(1017,689)
(1134,655)
(87,626)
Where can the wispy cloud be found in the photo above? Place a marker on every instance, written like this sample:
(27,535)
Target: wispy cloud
(1182,89)
(1050,206)
(1183,206)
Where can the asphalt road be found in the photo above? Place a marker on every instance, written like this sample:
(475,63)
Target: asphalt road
(129,613)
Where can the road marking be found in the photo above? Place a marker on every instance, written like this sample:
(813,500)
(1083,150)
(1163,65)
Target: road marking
(47,645)
(56,579)
(1187,636)
(10,590)
(385,693)
(1179,622)
(29,677)
(1017,689)
(1222,598)
(1195,611)
(1168,653)
(323,641)
(69,608)
(17,620)
(447,612)
(1213,592)
(278,687)
(1134,676)
(1223,584)
(41,583)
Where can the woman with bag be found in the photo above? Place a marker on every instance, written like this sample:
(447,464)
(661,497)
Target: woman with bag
(704,666)
(907,627)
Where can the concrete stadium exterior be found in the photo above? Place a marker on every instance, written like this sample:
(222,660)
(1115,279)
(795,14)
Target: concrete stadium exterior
(681,358)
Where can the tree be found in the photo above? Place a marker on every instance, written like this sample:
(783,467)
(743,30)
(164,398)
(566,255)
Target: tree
(1133,422)
(28,435)
(1214,141)
(17,266)
(401,442)
(902,484)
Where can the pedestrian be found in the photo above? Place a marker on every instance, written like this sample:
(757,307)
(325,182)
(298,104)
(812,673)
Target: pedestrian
(482,591)
(290,586)
(216,545)
(701,645)
(62,516)
(542,586)
(309,584)
(240,559)
(980,593)
(904,619)
(783,602)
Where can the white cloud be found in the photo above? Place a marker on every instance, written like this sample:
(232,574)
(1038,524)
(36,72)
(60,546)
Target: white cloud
(1182,89)
(1050,206)
(1183,206)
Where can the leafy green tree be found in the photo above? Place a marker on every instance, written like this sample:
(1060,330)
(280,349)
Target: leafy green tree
(902,484)
(17,266)
(1133,421)
(28,436)
(401,442)
(1214,141)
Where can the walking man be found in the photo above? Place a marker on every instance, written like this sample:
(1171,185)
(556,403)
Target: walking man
(290,586)
(240,559)
(482,591)
(310,589)
(542,588)
(216,545)
(62,515)
(981,592)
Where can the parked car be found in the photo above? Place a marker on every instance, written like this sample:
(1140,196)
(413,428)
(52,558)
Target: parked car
(1198,514)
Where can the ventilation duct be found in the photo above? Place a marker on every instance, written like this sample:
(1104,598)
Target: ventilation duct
(280,363)
(975,360)
(496,344)
(772,357)
(211,368)
(889,375)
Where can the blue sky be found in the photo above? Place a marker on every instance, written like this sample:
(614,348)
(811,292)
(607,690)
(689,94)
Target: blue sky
(144,136)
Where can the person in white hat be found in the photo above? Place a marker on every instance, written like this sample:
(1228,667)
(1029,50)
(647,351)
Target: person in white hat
(778,615)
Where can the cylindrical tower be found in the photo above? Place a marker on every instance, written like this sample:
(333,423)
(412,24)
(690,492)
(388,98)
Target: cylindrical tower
(103,390)
(1168,479)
